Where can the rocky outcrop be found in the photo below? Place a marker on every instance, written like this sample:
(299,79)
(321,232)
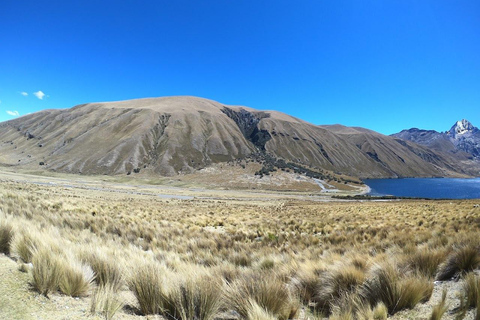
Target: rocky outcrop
(247,122)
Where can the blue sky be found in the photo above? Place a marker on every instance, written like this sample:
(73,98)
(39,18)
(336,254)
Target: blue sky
(383,65)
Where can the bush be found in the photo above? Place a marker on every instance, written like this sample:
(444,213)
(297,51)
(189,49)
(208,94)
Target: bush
(397,293)
(461,261)
(6,236)
(105,301)
(75,278)
(45,271)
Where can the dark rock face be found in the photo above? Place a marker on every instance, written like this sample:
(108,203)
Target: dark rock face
(462,140)
(247,122)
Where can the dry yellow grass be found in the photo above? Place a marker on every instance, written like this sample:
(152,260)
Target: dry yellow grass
(309,249)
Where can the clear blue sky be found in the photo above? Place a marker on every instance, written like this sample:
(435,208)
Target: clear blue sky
(383,65)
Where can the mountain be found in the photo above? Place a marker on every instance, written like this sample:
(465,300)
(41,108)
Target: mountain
(462,140)
(173,135)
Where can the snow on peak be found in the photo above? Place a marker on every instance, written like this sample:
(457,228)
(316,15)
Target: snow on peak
(461,127)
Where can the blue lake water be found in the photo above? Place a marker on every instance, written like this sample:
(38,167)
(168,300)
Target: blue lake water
(435,188)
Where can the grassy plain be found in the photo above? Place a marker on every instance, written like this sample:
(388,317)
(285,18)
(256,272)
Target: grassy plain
(90,249)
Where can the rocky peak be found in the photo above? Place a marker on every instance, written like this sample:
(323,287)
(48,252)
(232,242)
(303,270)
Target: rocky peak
(462,139)
(460,128)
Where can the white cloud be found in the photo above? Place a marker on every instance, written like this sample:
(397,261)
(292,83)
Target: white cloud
(39,94)
(13,113)
(23,93)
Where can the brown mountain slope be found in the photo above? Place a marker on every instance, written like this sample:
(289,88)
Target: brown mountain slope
(399,157)
(180,134)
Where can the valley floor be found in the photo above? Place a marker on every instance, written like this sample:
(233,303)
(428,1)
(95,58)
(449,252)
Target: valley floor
(254,255)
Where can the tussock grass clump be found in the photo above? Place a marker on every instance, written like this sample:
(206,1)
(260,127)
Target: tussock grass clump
(105,301)
(385,284)
(75,278)
(344,315)
(459,262)
(350,306)
(24,246)
(241,259)
(6,236)
(45,272)
(146,283)
(380,312)
(192,297)
(107,271)
(471,289)
(440,308)
(470,297)
(335,283)
(256,312)
(306,282)
(425,261)
(266,290)
(267,263)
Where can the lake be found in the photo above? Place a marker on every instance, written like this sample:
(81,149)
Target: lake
(435,188)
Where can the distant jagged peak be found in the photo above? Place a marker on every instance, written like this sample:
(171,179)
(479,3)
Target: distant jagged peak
(461,127)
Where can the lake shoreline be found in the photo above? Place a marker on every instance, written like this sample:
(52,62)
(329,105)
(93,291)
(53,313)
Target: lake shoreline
(427,188)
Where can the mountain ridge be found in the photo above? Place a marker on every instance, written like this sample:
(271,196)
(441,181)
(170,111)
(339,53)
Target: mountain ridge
(462,140)
(176,135)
